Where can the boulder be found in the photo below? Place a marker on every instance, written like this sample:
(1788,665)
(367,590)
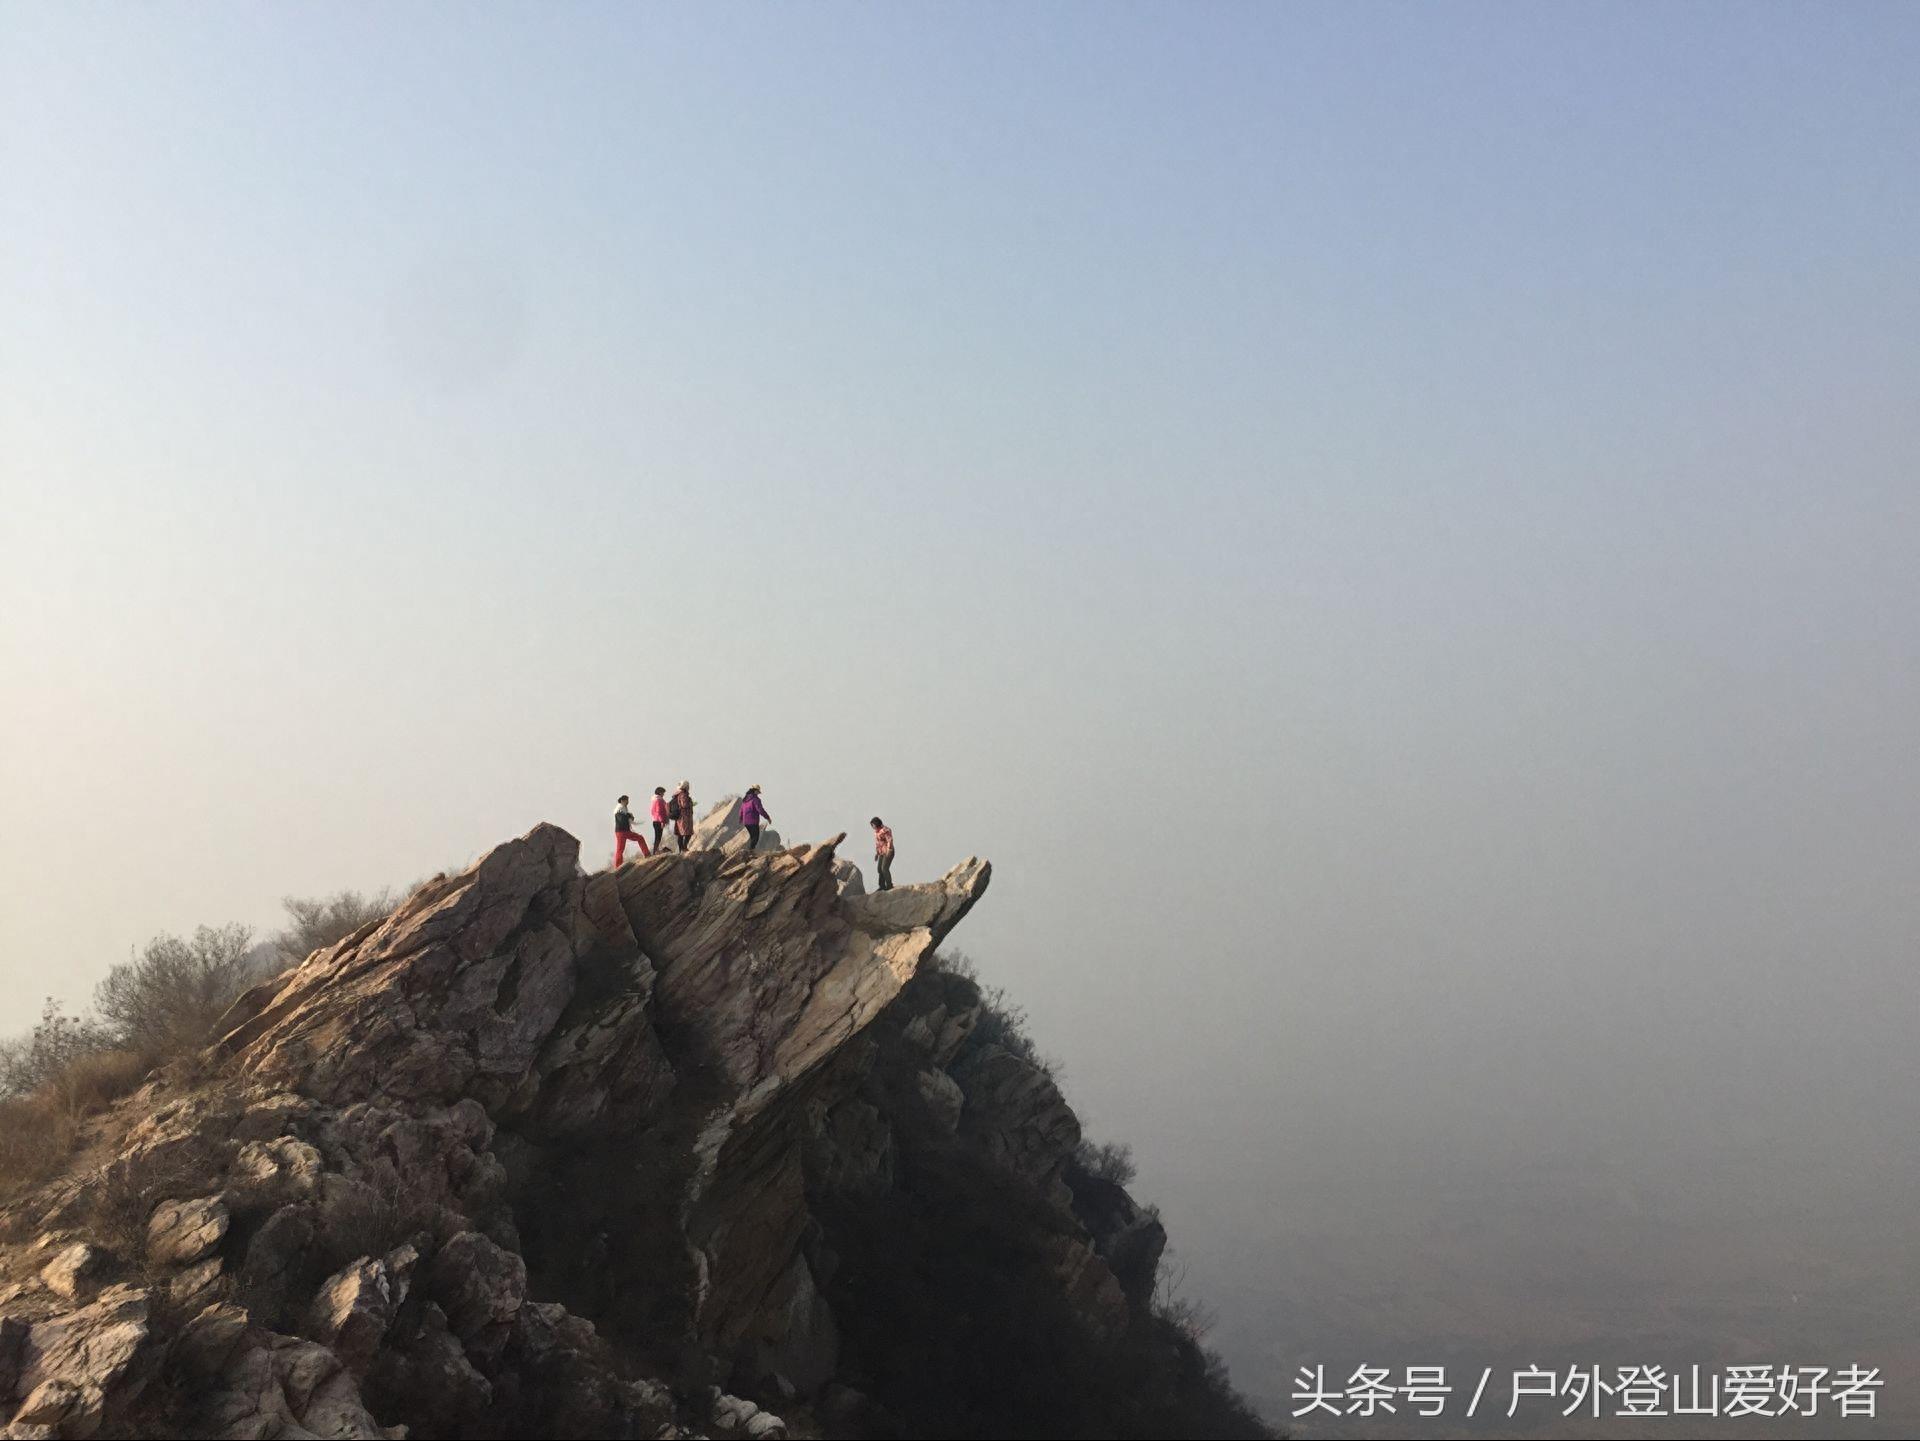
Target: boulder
(208,1342)
(195,1286)
(480,1286)
(73,1269)
(280,1386)
(62,1408)
(737,1416)
(182,1232)
(1128,1237)
(277,1256)
(943,1096)
(351,1312)
(942,1028)
(423,1371)
(103,1345)
(283,1166)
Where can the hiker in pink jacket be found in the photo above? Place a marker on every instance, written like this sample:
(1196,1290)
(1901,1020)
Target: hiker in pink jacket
(659,813)
(753,815)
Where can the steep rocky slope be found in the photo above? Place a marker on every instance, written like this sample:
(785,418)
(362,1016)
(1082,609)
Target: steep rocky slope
(703,1145)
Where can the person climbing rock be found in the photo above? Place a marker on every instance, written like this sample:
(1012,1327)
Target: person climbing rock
(623,832)
(681,809)
(883,852)
(659,809)
(753,815)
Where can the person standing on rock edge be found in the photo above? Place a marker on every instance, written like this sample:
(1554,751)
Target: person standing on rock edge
(623,832)
(753,815)
(659,814)
(681,809)
(883,852)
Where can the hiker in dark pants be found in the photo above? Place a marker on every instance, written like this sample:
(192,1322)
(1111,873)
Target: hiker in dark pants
(883,853)
(623,832)
(659,814)
(681,809)
(753,815)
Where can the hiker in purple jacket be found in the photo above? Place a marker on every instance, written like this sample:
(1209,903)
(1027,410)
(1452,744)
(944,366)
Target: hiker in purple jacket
(753,815)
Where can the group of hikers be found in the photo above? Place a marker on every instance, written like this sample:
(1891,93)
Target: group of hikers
(677,810)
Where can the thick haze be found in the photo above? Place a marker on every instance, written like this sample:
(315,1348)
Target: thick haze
(1396,529)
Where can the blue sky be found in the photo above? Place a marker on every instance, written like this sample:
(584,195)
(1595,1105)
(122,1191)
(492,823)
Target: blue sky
(1383,521)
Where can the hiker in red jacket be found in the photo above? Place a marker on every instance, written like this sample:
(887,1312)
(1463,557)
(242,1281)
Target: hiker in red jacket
(659,814)
(883,852)
(623,832)
(681,809)
(753,815)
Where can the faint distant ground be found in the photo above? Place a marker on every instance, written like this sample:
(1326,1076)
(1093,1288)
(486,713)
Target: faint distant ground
(1580,1265)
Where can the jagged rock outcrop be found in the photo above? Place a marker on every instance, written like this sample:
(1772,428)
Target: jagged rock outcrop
(720,830)
(538,1134)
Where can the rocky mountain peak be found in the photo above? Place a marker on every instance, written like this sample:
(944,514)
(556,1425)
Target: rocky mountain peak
(547,1152)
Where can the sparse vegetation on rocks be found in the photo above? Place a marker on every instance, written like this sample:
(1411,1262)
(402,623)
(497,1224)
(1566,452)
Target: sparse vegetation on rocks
(156,1009)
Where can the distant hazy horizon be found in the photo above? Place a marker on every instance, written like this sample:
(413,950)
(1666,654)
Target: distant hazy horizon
(1394,528)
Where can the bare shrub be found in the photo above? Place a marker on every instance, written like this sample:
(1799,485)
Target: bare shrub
(1190,1317)
(97,1079)
(370,1219)
(315,922)
(30,1062)
(157,1009)
(167,1001)
(35,1138)
(1002,1021)
(51,1080)
(1112,1161)
(124,1197)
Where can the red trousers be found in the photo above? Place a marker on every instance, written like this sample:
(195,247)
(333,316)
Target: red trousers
(620,839)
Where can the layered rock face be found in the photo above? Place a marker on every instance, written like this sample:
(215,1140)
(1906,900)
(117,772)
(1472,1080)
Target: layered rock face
(548,1153)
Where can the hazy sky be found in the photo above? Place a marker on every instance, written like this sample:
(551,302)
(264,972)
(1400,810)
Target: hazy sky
(1395,528)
